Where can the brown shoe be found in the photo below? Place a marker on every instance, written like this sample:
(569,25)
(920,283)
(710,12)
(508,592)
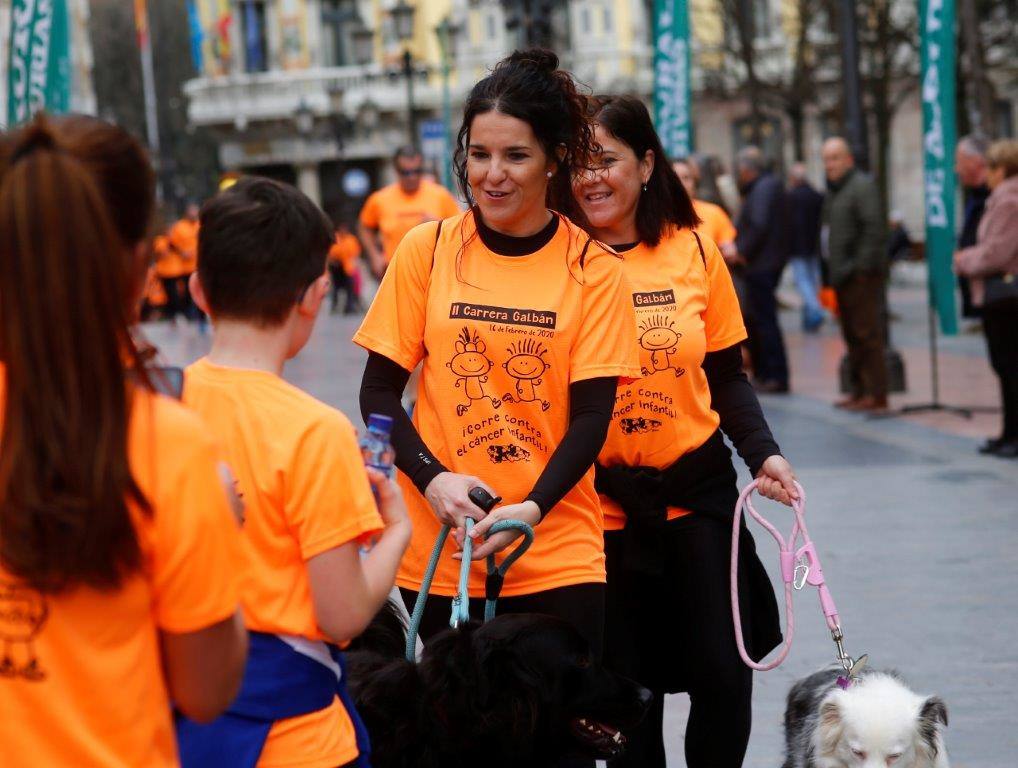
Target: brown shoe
(872,404)
(848,404)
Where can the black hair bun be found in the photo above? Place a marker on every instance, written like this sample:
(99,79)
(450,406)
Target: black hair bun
(540,59)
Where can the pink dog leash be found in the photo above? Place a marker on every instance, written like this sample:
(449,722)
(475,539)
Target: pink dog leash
(798,567)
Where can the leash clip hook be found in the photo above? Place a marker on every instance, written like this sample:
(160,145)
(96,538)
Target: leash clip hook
(801,574)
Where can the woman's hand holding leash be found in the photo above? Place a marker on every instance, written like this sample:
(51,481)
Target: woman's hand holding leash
(527,511)
(776,480)
(448,496)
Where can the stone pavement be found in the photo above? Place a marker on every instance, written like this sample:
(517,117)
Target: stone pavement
(917,533)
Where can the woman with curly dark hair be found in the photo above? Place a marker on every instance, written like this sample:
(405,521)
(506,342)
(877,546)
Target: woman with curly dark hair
(524,325)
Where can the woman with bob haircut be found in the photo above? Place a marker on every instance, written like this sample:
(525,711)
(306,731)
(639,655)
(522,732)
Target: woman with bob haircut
(665,476)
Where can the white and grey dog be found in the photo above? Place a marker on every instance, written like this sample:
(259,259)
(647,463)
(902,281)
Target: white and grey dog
(876,722)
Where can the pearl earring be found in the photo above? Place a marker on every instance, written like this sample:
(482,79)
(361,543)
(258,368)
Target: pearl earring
(644,187)
(550,174)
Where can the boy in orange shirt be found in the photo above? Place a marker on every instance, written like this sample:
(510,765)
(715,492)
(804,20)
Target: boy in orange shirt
(308,502)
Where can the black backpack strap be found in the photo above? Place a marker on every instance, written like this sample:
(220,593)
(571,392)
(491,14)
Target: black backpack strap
(583,253)
(699,244)
(438,234)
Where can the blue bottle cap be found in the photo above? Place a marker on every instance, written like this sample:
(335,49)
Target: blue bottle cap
(380,423)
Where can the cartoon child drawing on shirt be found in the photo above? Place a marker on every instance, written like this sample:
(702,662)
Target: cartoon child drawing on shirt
(471,368)
(660,338)
(23,612)
(526,366)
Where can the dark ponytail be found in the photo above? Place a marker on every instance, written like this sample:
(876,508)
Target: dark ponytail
(529,86)
(67,281)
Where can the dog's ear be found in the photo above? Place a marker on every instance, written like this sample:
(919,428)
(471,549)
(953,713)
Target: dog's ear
(830,726)
(932,715)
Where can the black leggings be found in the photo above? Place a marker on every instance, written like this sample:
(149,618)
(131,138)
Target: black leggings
(582,605)
(673,632)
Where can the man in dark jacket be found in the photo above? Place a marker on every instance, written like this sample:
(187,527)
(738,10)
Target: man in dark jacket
(856,236)
(970,165)
(762,242)
(805,205)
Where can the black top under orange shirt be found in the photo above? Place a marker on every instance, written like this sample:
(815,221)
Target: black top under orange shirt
(503,341)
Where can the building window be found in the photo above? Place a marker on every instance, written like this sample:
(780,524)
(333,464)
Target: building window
(338,19)
(492,26)
(609,26)
(253,37)
(762,19)
(585,22)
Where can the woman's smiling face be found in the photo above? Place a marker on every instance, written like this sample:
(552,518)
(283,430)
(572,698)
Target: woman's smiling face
(508,173)
(610,192)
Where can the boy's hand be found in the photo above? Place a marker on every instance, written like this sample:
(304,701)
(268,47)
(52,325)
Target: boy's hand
(391,505)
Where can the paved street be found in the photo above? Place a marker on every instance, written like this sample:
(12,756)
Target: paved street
(917,533)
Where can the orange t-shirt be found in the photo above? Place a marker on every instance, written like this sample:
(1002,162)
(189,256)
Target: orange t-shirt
(501,339)
(82,680)
(715,224)
(394,213)
(345,251)
(168,263)
(684,309)
(301,476)
(183,241)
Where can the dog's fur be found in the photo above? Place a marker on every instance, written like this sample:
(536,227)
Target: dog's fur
(509,692)
(865,726)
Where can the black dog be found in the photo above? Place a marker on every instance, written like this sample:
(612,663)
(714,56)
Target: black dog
(519,690)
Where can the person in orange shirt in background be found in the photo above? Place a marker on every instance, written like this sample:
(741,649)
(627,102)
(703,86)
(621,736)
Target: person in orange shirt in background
(309,508)
(183,243)
(119,556)
(715,222)
(344,272)
(389,213)
(666,479)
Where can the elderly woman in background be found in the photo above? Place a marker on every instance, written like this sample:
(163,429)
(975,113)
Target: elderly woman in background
(992,263)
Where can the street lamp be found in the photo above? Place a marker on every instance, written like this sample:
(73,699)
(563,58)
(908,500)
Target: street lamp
(447,32)
(403,19)
(303,117)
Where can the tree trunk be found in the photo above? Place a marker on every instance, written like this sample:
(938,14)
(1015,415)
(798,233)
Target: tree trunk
(981,111)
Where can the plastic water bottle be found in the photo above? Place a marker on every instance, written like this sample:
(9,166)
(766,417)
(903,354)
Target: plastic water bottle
(376,447)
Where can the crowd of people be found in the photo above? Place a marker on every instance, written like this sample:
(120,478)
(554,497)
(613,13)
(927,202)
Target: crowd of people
(170,551)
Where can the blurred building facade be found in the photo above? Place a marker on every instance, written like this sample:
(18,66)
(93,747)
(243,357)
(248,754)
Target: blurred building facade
(314,92)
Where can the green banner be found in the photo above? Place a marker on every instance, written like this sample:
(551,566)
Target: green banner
(937,25)
(39,63)
(672,62)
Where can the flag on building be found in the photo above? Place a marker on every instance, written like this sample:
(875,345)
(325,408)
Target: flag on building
(39,61)
(937,26)
(672,62)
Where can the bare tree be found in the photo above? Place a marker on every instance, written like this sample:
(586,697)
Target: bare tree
(782,79)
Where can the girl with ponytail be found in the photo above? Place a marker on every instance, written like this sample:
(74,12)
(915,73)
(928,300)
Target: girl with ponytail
(118,587)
